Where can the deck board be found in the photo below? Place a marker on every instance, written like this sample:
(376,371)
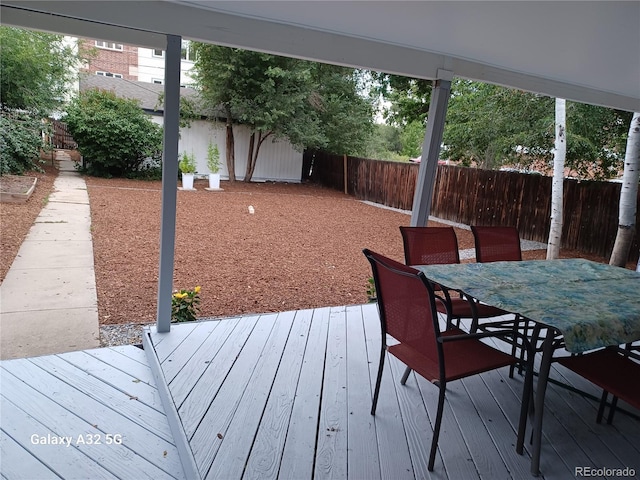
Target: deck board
(266,454)
(324,429)
(56,374)
(331,452)
(363,458)
(176,361)
(214,425)
(196,404)
(56,418)
(189,374)
(286,395)
(83,396)
(299,449)
(393,448)
(23,464)
(238,441)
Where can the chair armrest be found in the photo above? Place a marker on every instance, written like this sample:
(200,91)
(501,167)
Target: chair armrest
(497,333)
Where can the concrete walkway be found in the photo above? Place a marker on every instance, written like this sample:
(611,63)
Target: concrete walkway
(48,300)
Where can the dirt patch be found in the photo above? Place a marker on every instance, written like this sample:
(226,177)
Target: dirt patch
(16,219)
(301,248)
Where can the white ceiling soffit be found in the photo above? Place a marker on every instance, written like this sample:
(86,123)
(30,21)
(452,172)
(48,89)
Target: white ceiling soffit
(587,51)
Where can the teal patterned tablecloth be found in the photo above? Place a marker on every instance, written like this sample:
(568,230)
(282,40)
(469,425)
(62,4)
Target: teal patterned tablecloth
(592,304)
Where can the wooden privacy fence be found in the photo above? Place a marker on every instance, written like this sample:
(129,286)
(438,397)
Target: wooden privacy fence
(61,138)
(484,197)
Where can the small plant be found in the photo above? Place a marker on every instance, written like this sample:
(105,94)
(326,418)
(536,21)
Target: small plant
(185,305)
(187,163)
(213,158)
(371,290)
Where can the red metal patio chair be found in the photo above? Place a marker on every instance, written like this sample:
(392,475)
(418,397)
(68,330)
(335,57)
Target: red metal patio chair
(499,244)
(613,371)
(407,307)
(439,245)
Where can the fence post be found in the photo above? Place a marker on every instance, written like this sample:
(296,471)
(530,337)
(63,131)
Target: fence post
(346,189)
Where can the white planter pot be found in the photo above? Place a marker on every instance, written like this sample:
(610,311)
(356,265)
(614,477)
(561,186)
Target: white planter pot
(214,181)
(187,181)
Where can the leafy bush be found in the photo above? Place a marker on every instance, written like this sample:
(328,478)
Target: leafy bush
(20,142)
(113,134)
(213,158)
(187,163)
(185,305)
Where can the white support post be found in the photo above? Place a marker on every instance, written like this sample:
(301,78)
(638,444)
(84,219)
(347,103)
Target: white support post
(431,149)
(169,180)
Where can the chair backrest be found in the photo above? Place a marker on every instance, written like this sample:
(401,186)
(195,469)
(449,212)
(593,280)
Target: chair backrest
(406,304)
(430,245)
(496,244)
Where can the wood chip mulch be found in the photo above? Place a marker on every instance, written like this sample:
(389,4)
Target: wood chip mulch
(302,248)
(16,219)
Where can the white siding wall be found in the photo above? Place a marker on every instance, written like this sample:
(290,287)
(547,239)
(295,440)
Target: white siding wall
(278,161)
(151,67)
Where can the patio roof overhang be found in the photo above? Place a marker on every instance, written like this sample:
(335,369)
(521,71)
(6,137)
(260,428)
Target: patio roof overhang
(585,51)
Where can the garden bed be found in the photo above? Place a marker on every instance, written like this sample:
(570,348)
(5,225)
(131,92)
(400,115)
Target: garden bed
(16,188)
(16,219)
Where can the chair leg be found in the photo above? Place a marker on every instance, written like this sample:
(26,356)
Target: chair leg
(603,403)
(527,406)
(376,391)
(436,427)
(403,380)
(522,350)
(612,409)
(514,346)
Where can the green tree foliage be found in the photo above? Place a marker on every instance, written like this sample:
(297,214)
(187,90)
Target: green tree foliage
(407,98)
(383,143)
(20,142)
(36,70)
(113,134)
(488,125)
(313,106)
(412,136)
(597,139)
(344,113)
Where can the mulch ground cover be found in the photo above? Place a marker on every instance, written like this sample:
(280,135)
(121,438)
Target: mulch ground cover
(16,219)
(301,248)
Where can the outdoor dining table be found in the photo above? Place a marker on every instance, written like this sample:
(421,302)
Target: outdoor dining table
(582,305)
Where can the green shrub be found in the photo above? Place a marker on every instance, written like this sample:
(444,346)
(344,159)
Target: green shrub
(113,134)
(20,142)
(187,163)
(213,158)
(185,305)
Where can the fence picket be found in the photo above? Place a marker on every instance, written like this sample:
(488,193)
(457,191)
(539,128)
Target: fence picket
(487,197)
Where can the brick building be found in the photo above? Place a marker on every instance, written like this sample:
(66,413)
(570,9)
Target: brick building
(118,60)
(110,59)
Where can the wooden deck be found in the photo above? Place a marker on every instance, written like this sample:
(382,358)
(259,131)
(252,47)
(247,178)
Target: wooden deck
(288,396)
(283,395)
(103,402)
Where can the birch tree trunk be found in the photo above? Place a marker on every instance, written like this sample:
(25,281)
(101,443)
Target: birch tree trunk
(628,196)
(559,155)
